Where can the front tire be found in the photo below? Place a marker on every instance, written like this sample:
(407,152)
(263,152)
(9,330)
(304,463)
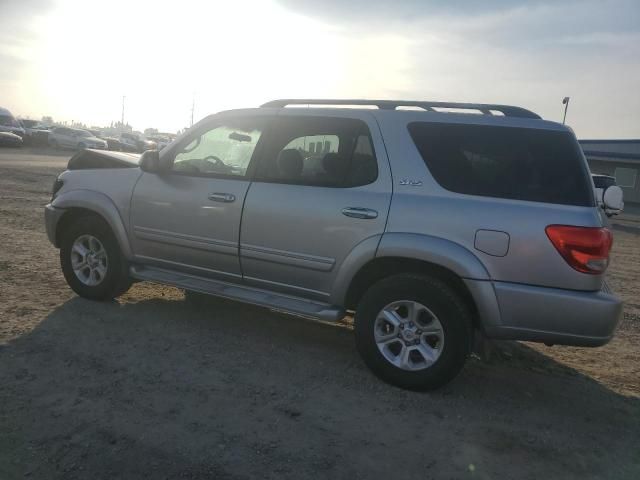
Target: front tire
(413,331)
(91,260)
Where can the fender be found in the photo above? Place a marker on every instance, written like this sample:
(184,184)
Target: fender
(439,251)
(102,205)
(357,258)
(435,250)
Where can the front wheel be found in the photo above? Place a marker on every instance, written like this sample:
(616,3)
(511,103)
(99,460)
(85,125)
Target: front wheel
(413,331)
(91,260)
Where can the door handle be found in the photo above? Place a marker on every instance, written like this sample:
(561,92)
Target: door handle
(358,212)
(222,197)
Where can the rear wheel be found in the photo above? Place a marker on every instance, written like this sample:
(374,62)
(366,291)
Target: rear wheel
(413,331)
(91,260)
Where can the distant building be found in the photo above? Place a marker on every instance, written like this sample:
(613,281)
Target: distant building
(620,159)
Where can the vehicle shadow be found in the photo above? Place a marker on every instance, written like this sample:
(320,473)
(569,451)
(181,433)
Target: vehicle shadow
(167,388)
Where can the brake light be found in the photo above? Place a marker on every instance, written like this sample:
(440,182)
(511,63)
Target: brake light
(586,249)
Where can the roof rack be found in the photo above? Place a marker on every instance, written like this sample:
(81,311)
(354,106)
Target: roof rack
(485,108)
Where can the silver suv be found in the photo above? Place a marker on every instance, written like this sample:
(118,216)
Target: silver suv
(431,223)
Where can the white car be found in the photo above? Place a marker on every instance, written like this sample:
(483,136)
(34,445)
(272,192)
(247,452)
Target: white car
(601,183)
(65,137)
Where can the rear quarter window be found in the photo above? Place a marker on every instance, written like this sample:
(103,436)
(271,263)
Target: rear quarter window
(505,162)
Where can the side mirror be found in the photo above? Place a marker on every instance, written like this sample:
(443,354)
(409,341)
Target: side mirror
(612,200)
(150,161)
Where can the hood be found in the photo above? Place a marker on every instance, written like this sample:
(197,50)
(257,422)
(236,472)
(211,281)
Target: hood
(86,159)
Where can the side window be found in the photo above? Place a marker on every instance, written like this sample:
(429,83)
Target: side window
(222,150)
(505,162)
(327,152)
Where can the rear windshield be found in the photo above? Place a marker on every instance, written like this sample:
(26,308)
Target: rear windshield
(505,162)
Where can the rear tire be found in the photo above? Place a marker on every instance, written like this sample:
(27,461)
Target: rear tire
(413,331)
(91,260)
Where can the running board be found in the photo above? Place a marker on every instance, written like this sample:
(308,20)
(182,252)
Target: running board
(241,293)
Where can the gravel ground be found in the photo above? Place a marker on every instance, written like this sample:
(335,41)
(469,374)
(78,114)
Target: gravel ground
(153,386)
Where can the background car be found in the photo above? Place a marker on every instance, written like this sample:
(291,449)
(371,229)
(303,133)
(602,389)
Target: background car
(8,123)
(8,139)
(64,137)
(132,142)
(160,141)
(601,183)
(34,132)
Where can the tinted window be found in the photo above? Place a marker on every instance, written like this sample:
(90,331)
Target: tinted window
(505,162)
(223,150)
(330,152)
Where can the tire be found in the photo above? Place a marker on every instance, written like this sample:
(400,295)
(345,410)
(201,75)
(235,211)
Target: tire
(111,277)
(442,330)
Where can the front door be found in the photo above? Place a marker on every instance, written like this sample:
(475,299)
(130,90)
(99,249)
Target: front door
(188,217)
(322,186)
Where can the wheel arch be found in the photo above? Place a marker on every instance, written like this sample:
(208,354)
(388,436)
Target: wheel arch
(78,203)
(423,255)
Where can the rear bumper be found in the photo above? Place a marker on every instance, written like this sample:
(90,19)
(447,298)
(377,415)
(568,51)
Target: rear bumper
(551,315)
(52,216)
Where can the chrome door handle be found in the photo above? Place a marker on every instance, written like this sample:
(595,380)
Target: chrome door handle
(222,197)
(358,212)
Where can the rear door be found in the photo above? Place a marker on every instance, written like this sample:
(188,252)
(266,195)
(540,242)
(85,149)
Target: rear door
(322,187)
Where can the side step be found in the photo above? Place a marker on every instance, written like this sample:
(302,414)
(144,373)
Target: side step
(241,293)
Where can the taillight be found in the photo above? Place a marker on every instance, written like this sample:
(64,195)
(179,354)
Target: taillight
(584,248)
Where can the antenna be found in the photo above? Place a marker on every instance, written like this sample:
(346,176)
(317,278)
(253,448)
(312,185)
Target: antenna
(565,102)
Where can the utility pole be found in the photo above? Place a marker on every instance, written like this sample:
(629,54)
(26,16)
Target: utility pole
(193,107)
(565,102)
(122,119)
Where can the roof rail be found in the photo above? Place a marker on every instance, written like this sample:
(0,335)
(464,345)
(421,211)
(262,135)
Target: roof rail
(485,108)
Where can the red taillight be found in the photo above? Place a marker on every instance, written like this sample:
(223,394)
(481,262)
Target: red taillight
(584,248)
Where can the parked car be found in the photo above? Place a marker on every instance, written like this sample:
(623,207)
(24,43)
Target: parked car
(160,142)
(132,142)
(432,226)
(34,132)
(9,123)
(65,137)
(114,144)
(8,139)
(601,184)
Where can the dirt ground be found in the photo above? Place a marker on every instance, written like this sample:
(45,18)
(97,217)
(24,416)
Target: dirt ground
(153,386)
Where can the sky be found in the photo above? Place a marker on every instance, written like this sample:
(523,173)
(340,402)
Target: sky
(74,60)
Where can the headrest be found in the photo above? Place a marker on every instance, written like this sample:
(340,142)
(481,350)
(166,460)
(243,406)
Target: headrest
(290,163)
(334,165)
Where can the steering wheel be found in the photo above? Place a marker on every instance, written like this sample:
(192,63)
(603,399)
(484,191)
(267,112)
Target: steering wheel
(215,160)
